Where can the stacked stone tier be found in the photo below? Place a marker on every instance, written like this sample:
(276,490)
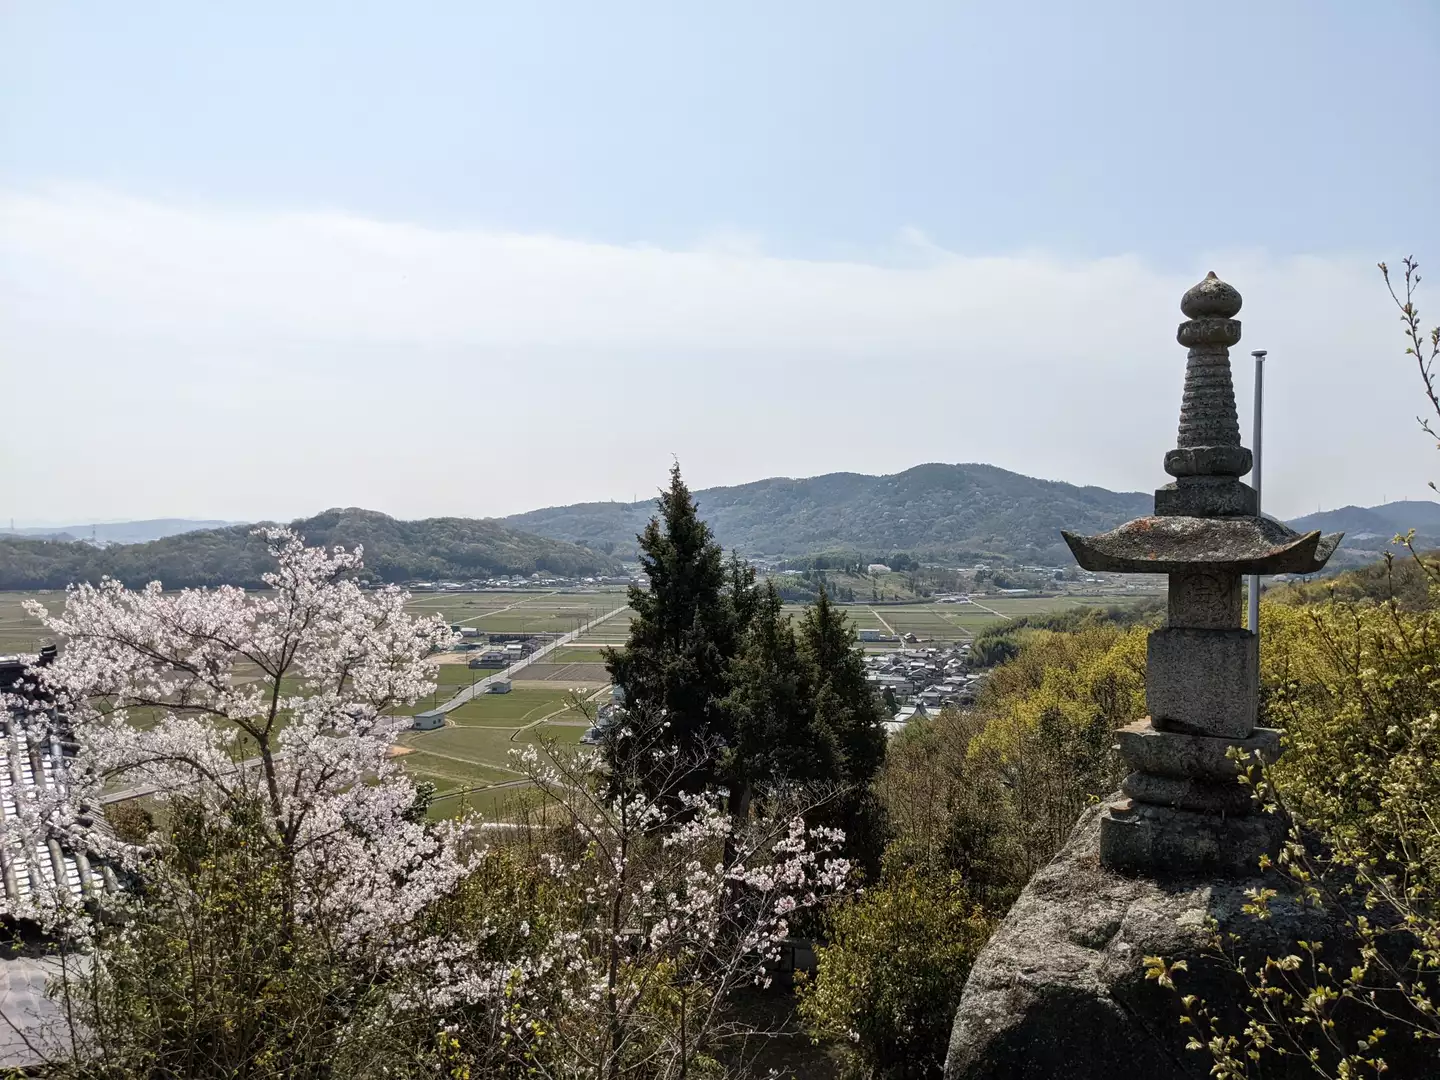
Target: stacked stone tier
(1191,772)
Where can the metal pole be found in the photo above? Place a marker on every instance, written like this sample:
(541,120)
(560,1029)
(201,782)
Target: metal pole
(1256,432)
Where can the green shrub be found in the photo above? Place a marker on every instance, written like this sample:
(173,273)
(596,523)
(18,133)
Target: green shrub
(888,983)
(992,793)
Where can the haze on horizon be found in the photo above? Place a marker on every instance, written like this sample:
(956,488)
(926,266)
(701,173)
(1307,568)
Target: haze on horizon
(259,262)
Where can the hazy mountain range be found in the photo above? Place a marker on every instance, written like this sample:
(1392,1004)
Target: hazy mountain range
(119,532)
(434,548)
(941,511)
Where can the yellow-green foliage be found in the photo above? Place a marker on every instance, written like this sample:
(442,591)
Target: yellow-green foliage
(888,983)
(1049,722)
(1403,579)
(207,978)
(976,801)
(1355,682)
(993,793)
(1356,687)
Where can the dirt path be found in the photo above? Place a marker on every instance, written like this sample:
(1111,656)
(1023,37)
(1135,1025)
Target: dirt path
(557,712)
(991,610)
(888,628)
(467,761)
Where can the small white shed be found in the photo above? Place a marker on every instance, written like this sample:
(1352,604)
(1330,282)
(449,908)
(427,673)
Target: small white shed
(429,720)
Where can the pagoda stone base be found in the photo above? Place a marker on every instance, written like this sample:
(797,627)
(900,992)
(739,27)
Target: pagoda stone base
(1202,682)
(1160,841)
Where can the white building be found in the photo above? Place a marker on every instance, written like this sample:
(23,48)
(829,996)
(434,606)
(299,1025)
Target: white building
(499,686)
(428,720)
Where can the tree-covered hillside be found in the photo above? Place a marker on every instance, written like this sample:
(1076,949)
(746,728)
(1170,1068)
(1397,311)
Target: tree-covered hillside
(930,509)
(394,551)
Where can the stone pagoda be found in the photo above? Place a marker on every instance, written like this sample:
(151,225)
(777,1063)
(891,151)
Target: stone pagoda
(1182,810)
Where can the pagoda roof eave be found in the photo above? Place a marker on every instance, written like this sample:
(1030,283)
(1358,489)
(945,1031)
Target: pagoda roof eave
(1175,545)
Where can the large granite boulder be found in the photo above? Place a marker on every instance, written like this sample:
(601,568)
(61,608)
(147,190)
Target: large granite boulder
(1060,989)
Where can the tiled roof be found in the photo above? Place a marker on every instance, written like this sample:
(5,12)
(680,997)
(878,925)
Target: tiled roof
(24,763)
(33,1026)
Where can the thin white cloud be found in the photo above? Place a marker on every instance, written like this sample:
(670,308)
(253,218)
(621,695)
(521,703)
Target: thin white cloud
(170,359)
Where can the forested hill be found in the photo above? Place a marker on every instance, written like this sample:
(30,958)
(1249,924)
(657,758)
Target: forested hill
(394,551)
(930,509)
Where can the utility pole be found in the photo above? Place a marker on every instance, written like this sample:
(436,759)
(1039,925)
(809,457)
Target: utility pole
(1256,433)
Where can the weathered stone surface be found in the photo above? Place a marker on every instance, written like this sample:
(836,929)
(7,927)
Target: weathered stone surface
(1208,334)
(1211,299)
(1172,753)
(1205,599)
(1189,793)
(1160,842)
(1231,461)
(1207,406)
(1202,682)
(1174,544)
(1206,496)
(1060,990)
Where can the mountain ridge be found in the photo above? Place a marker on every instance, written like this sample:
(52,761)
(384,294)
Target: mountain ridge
(934,508)
(1384,520)
(395,550)
(943,511)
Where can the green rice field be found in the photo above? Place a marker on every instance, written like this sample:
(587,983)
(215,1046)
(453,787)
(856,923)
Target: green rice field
(525,612)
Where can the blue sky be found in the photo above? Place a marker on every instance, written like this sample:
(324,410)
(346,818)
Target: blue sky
(147,148)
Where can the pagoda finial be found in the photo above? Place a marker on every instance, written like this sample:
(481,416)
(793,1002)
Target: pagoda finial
(1212,298)
(1209,439)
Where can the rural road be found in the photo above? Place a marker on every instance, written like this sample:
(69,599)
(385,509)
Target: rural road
(467,693)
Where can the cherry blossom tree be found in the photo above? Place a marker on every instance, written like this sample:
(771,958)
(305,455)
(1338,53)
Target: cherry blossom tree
(288,700)
(608,932)
(292,913)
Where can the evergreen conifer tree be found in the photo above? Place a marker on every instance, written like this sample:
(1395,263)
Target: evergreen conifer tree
(847,710)
(717,681)
(771,707)
(674,671)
